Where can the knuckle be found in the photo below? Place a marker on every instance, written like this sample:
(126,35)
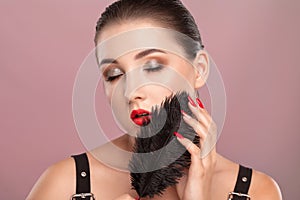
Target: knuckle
(200,174)
(194,150)
(199,128)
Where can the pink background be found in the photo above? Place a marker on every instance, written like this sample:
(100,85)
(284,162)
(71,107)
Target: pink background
(255,44)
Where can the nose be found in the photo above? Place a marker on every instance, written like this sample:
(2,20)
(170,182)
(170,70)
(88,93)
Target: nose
(133,87)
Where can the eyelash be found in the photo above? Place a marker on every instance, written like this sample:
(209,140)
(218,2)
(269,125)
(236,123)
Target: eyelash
(111,78)
(149,69)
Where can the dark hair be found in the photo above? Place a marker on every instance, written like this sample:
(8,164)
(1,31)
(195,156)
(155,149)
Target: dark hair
(170,13)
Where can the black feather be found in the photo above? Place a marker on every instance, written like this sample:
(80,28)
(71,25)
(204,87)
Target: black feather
(166,158)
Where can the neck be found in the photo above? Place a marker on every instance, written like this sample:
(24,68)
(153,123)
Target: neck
(125,142)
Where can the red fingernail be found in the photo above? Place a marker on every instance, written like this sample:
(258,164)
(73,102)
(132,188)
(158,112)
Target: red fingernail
(199,103)
(191,101)
(178,135)
(137,198)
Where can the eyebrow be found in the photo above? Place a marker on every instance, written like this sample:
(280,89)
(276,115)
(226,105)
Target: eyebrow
(137,56)
(147,52)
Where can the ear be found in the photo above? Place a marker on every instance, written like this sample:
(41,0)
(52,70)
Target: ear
(201,65)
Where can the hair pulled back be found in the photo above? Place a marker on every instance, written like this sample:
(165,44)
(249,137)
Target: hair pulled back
(170,13)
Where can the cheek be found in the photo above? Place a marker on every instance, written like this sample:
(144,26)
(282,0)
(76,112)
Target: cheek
(158,94)
(108,91)
(187,71)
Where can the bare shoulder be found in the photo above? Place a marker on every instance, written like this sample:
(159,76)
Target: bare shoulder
(57,182)
(264,187)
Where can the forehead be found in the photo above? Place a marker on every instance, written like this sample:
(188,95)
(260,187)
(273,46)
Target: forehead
(117,27)
(140,38)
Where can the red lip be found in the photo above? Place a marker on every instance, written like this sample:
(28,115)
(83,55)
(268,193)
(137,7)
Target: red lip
(140,117)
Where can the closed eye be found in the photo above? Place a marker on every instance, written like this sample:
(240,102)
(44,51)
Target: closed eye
(153,66)
(112,78)
(112,74)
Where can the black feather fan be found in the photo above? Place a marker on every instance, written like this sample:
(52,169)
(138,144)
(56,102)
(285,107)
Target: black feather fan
(159,159)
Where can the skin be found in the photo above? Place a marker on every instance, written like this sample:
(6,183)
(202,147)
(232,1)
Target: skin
(209,178)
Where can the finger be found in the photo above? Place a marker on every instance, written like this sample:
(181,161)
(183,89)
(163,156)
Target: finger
(192,148)
(196,169)
(198,163)
(209,158)
(212,133)
(208,149)
(198,127)
(200,114)
(207,137)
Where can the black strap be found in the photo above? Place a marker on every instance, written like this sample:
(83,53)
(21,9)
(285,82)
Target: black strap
(243,182)
(83,184)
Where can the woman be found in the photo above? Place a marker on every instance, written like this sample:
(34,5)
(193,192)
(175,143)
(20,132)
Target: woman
(210,177)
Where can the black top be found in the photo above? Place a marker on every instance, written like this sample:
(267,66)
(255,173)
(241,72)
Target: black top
(83,182)
(242,184)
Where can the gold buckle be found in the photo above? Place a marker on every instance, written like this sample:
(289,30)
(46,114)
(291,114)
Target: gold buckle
(83,196)
(231,194)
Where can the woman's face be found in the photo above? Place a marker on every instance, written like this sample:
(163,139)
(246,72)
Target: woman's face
(124,72)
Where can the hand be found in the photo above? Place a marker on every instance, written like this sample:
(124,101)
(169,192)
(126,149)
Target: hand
(197,183)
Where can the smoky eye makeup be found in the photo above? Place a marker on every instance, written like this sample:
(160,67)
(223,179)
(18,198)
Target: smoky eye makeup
(111,73)
(153,65)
